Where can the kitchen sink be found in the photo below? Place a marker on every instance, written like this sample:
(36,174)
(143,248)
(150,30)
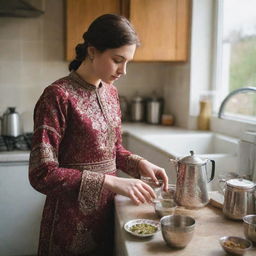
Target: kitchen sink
(220,148)
(200,143)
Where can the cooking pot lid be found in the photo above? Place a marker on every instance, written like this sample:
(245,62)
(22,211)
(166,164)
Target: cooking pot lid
(192,159)
(241,183)
(138,99)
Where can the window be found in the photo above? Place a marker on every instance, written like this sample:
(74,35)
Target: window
(236,57)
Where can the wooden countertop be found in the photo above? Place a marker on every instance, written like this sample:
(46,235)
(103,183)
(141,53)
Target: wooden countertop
(210,226)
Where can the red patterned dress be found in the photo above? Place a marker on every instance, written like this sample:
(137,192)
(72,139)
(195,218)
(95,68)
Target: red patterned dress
(76,142)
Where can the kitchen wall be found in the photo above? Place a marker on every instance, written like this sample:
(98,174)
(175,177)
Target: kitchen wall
(32,56)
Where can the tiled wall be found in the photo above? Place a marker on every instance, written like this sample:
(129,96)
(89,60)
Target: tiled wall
(32,56)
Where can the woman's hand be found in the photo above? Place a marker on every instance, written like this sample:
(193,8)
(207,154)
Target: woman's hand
(155,172)
(138,191)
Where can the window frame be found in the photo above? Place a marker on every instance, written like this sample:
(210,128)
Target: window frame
(217,71)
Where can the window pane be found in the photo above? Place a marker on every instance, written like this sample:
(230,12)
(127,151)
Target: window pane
(239,53)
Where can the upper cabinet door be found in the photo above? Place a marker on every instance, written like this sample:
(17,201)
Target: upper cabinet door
(80,14)
(162,25)
(163,28)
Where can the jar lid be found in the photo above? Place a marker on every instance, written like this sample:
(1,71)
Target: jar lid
(192,159)
(241,184)
(138,99)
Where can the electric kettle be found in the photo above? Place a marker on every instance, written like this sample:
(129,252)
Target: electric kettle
(192,179)
(11,123)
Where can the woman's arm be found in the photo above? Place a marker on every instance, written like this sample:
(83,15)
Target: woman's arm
(45,174)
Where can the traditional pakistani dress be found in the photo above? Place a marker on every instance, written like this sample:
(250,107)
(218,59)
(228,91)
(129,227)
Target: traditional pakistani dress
(76,142)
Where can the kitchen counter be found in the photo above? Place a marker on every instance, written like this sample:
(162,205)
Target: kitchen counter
(14,156)
(134,129)
(210,226)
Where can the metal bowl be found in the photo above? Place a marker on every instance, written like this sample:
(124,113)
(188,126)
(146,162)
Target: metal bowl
(164,207)
(177,230)
(235,245)
(250,227)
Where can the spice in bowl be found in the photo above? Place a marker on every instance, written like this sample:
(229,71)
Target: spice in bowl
(143,229)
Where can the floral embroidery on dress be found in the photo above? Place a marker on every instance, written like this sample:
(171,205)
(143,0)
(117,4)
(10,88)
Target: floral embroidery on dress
(77,141)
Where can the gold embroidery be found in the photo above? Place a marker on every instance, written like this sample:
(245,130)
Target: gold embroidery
(90,188)
(47,127)
(41,154)
(132,165)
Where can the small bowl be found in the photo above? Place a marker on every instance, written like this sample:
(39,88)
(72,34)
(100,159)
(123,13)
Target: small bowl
(250,227)
(164,207)
(177,230)
(235,245)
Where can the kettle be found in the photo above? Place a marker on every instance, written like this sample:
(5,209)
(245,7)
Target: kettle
(239,198)
(192,179)
(11,123)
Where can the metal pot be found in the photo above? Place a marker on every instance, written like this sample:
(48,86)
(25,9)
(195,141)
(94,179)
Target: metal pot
(11,123)
(192,179)
(137,109)
(154,110)
(239,198)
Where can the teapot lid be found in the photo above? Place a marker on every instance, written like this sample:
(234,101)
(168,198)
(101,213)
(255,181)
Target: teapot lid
(192,159)
(241,183)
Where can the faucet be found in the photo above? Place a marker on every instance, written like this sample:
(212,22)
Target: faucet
(237,91)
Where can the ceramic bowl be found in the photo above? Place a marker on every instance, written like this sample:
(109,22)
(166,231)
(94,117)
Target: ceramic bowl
(235,245)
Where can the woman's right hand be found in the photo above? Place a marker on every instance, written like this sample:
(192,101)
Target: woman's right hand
(137,190)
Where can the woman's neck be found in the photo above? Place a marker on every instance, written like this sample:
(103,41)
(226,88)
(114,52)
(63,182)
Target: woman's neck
(85,71)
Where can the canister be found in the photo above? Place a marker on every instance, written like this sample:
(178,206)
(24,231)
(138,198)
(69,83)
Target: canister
(239,198)
(138,109)
(154,110)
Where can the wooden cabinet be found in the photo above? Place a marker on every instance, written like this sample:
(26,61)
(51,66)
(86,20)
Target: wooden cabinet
(79,15)
(162,25)
(163,28)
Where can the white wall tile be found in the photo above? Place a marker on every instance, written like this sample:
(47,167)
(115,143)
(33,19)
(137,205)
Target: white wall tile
(32,56)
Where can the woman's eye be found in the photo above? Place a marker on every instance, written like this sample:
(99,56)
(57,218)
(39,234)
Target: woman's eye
(117,61)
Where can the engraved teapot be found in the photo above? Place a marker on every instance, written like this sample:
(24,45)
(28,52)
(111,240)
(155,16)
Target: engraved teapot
(192,179)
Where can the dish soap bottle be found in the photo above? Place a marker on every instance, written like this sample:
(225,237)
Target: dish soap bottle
(203,122)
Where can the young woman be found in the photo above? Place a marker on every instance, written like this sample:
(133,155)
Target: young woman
(77,146)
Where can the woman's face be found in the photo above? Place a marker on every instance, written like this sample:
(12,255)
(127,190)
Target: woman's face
(111,64)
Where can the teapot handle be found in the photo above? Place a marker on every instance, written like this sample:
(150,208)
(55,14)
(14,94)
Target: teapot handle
(213,170)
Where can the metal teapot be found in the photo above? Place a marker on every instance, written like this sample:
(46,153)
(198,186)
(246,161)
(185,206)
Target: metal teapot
(192,179)
(11,123)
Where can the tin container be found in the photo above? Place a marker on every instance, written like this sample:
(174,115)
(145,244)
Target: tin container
(239,198)
(138,109)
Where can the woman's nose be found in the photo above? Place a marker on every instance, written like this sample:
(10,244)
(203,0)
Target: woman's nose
(122,69)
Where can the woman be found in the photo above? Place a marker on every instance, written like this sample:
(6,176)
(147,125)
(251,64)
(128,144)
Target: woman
(77,146)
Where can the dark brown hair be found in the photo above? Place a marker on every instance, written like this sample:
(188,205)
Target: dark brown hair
(106,32)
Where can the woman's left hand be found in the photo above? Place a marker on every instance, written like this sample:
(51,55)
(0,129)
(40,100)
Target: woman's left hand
(153,171)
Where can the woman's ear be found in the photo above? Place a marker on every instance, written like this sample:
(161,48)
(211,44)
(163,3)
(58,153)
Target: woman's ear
(91,52)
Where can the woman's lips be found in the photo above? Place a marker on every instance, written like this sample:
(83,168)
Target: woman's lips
(115,77)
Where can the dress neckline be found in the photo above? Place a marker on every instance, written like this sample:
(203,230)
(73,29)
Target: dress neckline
(82,82)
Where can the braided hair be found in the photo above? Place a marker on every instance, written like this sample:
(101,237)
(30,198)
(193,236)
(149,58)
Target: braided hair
(108,31)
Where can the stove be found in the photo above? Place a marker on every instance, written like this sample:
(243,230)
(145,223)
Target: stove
(22,142)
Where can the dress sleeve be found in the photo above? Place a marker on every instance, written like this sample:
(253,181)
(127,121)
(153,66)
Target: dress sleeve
(125,160)
(45,174)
